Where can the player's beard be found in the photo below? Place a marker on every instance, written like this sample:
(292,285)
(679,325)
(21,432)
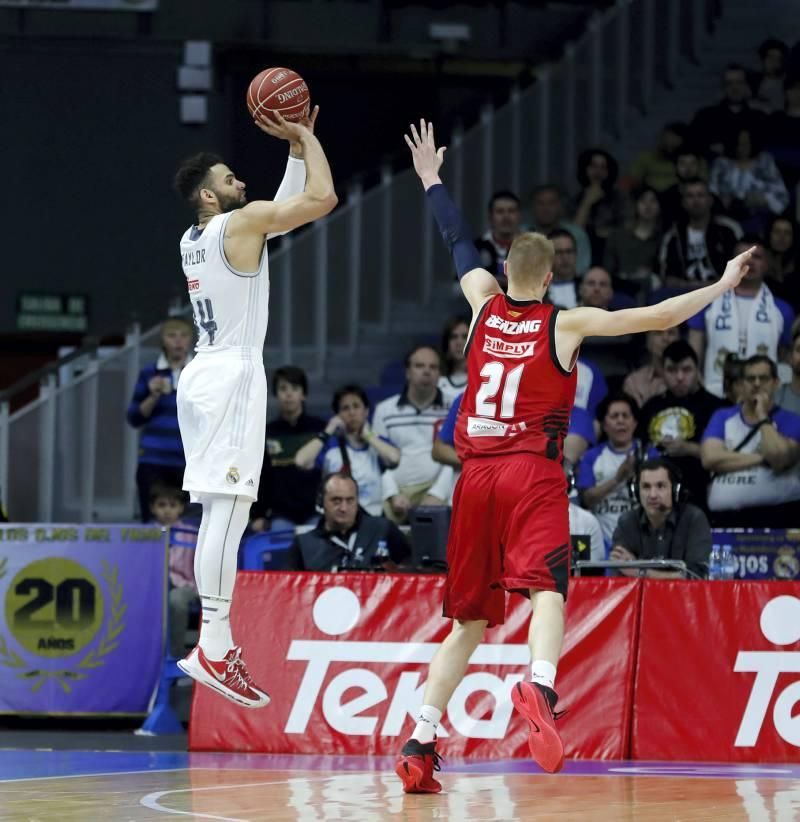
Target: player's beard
(231,203)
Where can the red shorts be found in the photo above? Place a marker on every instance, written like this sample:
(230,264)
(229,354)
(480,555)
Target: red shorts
(509,532)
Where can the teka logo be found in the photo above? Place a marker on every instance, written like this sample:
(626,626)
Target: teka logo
(780,625)
(337,611)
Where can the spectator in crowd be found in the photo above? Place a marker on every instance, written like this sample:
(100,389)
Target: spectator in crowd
(733,380)
(614,355)
(605,471)
(348,444)
(747,321)
(656,169)
(631,254)
(767,85)
(753,452)
(346,537)
(153,409)
(662,525)
(407,419)
(648,380)
(287,494)
(788,395)
(599,206)
(591,389)
(674,422)
(581,436)
(783,274)
(696,249)
(585,532)
(505,217)
(547,206)
(166,508)
(563,289)
(783,133)
(454,362)
(748,182)
(712,125)
(444,452)
(689,165)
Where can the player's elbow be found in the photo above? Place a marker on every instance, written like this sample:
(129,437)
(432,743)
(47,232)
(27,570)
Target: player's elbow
(325,201)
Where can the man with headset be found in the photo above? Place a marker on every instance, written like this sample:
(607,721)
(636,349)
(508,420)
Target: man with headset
(663,526)
(347,538)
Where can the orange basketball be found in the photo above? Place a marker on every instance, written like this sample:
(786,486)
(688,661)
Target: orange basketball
(281,90)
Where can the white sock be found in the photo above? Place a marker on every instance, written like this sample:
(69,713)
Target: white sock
(215,632)
(427,723)
(543,672)
(224,521)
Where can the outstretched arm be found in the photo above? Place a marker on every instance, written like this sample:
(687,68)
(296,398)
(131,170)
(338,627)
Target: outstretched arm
(477,283)
(573,325)
(318,198)
(294,178)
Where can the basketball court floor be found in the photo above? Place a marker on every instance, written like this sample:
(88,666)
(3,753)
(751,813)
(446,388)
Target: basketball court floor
(84,786)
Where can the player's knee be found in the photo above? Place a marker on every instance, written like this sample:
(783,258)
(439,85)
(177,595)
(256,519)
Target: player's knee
(547,599)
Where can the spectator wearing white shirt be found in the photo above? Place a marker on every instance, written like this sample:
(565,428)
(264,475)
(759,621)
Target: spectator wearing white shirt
(407,419)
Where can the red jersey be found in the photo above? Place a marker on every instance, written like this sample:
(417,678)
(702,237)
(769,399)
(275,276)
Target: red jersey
(518,397)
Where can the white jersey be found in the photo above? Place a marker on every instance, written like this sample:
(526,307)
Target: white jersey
(231,308)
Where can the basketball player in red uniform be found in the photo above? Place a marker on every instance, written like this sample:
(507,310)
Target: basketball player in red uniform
(510,523)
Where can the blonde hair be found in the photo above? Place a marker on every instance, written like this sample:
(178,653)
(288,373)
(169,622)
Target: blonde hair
(530,258)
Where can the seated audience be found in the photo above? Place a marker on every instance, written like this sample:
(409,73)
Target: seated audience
(788,395)
(599,206)
(689,165)
(454,363)
(166,508)
(547,211)
(287,494)
(753,453)
(733,380)
(349,444)
(712,125)
(696,249)
(407,419)
(563,289)
(631,254)
(585,532)
(444,452)
(674,422)
(597,290)
(605,471)
(747,321)
(591,389)
(767,85)
(154,409)
(748,182)
(346,537)
(580,437)
(505,217)
(783,133)
(783,250)
(662,526)
(656,169)
(648,380)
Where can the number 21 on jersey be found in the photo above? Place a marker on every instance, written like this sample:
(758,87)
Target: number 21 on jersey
(495,379)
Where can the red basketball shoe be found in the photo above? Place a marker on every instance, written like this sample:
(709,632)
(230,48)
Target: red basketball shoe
(228,677)
(415,767)
(536,702)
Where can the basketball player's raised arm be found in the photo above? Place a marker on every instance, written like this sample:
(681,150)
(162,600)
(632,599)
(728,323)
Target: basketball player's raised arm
(318,198)
(573,325)
(477,283)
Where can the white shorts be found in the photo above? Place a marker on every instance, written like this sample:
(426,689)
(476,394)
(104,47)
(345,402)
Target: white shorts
(222,413)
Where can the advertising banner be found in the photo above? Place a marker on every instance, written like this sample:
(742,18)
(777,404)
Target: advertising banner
(762,553)
(82,620)
(345,656)
(718,674)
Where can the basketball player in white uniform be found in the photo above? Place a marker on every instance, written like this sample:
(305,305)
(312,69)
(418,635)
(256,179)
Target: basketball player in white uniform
(222,398)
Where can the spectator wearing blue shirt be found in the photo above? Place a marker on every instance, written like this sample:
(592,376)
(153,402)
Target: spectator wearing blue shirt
(348,444)
(591,389)
(444,452)
(753,452)
(581,435)
(748,320)
(153,408)
(605,471)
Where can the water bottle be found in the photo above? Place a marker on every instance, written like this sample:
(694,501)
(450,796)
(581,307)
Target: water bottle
(728,562)
(715,563)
